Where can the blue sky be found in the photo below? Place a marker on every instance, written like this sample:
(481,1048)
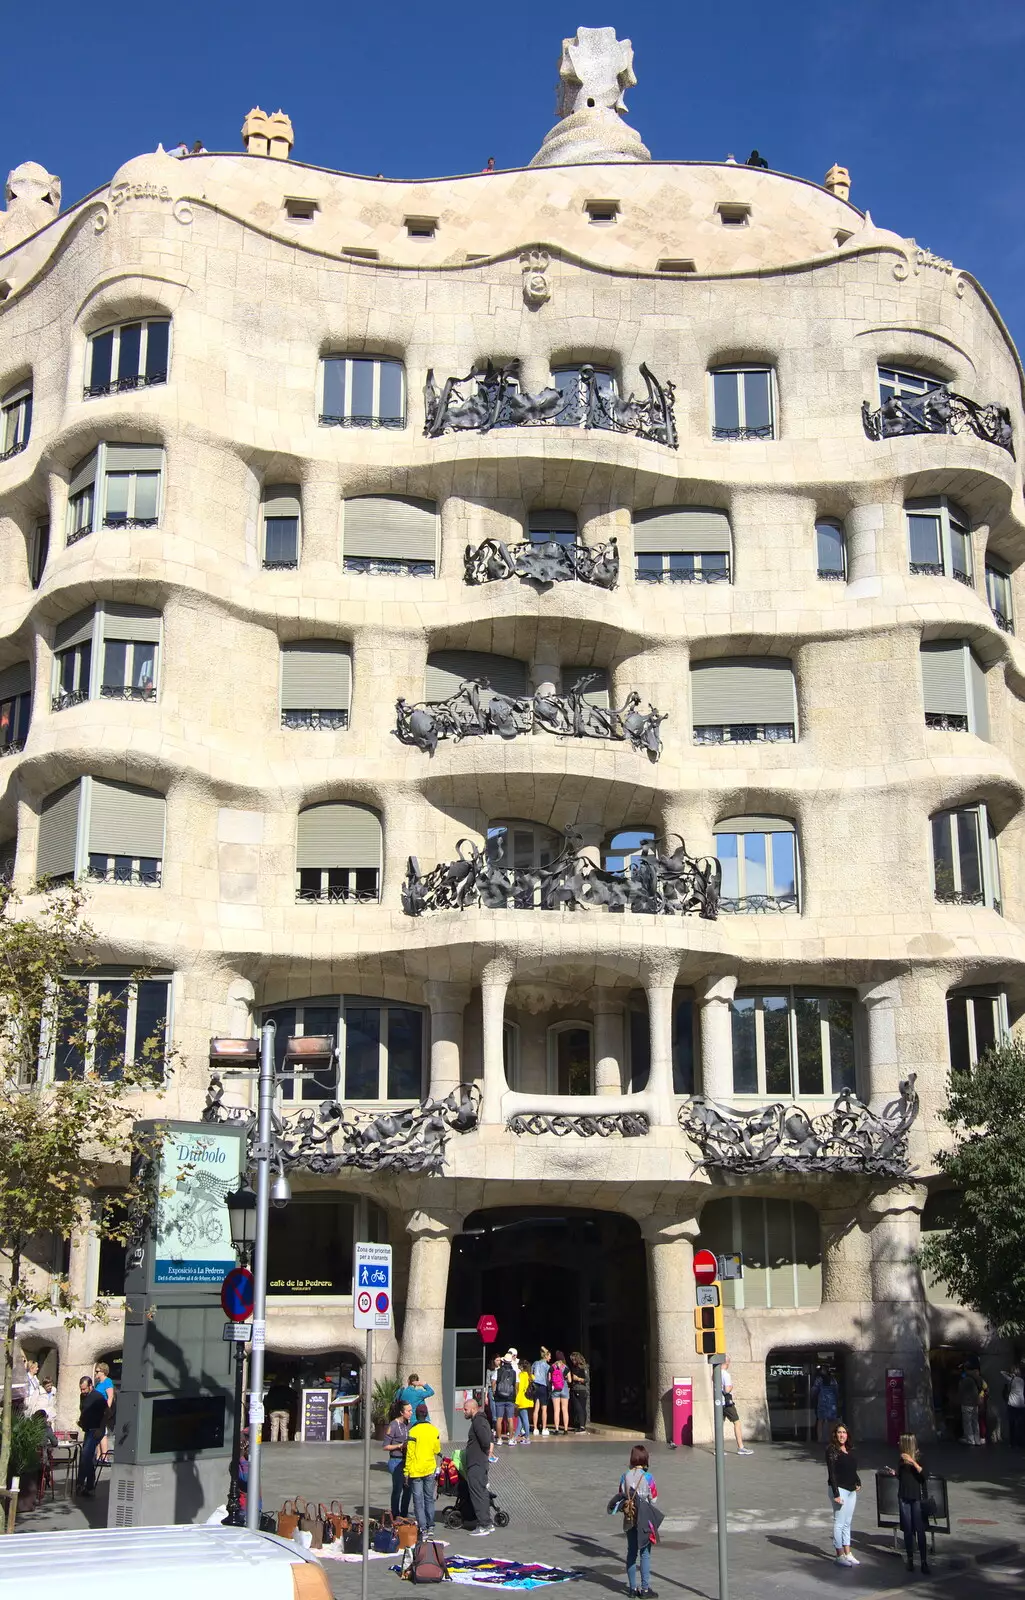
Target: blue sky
(921,99)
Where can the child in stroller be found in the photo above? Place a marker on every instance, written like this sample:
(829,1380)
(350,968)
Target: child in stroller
(451,1477)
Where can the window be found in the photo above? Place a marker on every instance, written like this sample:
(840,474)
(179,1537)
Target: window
(309,1248)
(603,212)
(316,675)
(362,392)
(447,670)
(380,1048)
(976,1021)
(939,540)
(391,535)
(743,403)
(743,702)
(682,544)
(281,512)
(110,832)
(110,651)
(39,550)
(547,527)
(954,688)
(793,1042)
(965,867)
(15,707)
(676,264)
(338,854)
(133,355)
(15,420)
(106,1022)
(118,486)
(779,1241)
(998,593)
(297,210)
(572,384)
(571,1058)
(900,383)
(526,847)
(421,227)
(733,214)
(758,856)
(831,551)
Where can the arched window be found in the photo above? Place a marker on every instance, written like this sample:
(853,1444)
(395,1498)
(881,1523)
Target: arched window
(758,856)
(526,846)
(338,854)
(624,848)
(966,870)
(779,1241)
(905,383)
(390,535)
(939,540)
(571,383)
(830,550)
(546,527)
(361,391)
(132,355)
(571,1058)
(282,517)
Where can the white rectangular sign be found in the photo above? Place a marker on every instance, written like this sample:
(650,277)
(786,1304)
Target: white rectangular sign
(371,1286)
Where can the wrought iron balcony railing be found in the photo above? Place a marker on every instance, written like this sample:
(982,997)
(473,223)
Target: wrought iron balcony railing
(745,733)
(13,748)
(381,567)
(476,709)
(1005,624)
(712,575)
(139,380)
(492,398)
(766,431)
(144,877)
(939,411)
(15,450)
(322,721)
(328,421)
(114,519)
(548,562)
(745,904)
(946,722)
(68,698)
(127,691)
(338,897)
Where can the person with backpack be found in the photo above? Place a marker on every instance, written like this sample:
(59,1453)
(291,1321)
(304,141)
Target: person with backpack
(422,1451)
(636,1498)
(560,1394)
(540,1374)
(475,1465)
(505,1394)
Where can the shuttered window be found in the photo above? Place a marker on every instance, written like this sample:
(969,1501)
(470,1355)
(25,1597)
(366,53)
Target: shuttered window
(954,688)
(743,701)
(15,707)
(758,857)
(117,486)
(447,669)
(124,831)
(391,534)
(362,392)
(58,834)
(281,519)
(110,651)
(133,355)
(315,684)
(15,420)
(545,526)
(966,868)
(780,1243)
(939,540)
(683,544)
(338,853)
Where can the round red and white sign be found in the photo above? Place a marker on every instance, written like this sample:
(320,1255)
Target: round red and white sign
(363,1302)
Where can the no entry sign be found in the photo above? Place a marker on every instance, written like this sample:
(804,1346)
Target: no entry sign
(237,1295)
(487,1327)
(706,1266)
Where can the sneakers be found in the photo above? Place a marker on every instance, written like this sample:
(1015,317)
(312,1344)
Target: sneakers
(648,1594)
(544,1433)
(846,1561)
(482,1533)
(852,1561)
(744,1451)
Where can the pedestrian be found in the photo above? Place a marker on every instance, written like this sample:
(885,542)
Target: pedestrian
(103,1385)
(32,1387)
(540,1373)
(560,1393)
(475,1465)
(579,1380)
(523,1407)
(505,1394)
(969,1389)
(92,1419)
(415,1392)
(910,1475)
(48,1401)
(395,1450)
(844,1483)
(422,1451)
(1014,1398)
(638,1492)
(279,1412)
(729,1409)
(755,160)
(825,1397)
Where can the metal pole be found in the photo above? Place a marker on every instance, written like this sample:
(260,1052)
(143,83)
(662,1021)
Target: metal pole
(235,1518)
(262,1154)
(720,1475)
(368,1389)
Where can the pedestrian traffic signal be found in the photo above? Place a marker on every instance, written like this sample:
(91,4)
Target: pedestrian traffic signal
(709,1332)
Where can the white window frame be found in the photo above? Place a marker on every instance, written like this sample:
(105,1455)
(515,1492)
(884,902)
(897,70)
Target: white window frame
(989,860)
(130,519)
(827,575)
(905,383)
(341,1004)
(698,575)
(771,892)
(552,1034)
(738,368)
(94,496)
(375,419)
(1001,1023)
(737,1238)
(119,386)
(92,982)
(940,507)
(97,650)
(793,993)
(1000,576)
(15,424)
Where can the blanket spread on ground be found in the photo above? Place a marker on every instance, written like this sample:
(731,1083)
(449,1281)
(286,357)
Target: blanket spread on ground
(497,1574)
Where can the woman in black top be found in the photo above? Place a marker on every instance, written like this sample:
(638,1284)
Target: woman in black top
(844,1483)
(910,1477)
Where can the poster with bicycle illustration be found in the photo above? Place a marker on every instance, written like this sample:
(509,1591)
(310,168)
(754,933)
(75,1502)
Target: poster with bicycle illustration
(193,1237)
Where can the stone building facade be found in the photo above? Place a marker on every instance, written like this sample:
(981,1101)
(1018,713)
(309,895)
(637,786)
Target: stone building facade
(213,376)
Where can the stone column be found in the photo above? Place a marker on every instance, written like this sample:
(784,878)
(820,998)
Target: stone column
(670,1252)
(899,1330)
(863,529)
(80,1259)
(881,1001)
(423,1324)
(715,1032)
(321,516)
(659,984)
(447,1002)
(608,1042)
(493,990)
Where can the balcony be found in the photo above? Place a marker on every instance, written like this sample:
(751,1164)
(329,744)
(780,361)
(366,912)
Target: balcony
(319,721)
(492,398)
(745,733)
(550,561)
(938,411)
(475,710)
(137,380)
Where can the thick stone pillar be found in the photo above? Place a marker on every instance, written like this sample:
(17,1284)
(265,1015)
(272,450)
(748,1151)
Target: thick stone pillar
(863,532)
(715,1032)
(659,985)
(81,1260)
(670,1253)
(899,1331)
(447,1002)
(608,1042)
(493,990)
(423,1325)
(881,1001)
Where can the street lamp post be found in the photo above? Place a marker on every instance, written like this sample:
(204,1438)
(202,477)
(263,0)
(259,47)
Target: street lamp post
(241,1204)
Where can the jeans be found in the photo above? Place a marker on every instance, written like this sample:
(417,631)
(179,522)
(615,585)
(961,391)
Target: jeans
(578,1406)
(425,1491)
(87,1460)
(523,1430)
(970,1424)
(632,1562)
(399,1487)
(843,1516)
(912,1522)
(1016,1425)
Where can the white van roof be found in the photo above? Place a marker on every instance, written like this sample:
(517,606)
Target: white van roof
(160,1563)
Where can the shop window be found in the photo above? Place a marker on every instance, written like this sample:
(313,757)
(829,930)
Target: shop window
(309,1248)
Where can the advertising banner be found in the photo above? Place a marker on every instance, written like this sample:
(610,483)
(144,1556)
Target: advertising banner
(895,1425)
(683,1411)
(193,1237)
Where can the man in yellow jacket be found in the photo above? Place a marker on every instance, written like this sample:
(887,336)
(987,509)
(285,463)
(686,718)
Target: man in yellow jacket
(422,1450)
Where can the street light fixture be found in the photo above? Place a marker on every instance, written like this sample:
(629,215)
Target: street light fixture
(241,1204)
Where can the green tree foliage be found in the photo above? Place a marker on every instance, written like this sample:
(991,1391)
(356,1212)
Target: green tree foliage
(59,1141)
(980,1256)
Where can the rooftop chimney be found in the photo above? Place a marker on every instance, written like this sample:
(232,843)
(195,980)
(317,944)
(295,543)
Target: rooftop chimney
(838,182)
(268,136)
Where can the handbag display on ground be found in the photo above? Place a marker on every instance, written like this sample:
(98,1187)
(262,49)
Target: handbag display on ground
(288,1518)
(407,1531)
(386,1539)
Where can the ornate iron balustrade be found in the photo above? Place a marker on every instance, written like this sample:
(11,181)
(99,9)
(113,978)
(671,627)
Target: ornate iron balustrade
(127,691)
(926,569)
(547,562)
(135,876)
(281,566)
(656,882)
(475,709)
(746,904)
(332,1136)
(829,576)
(745,733)
(327,421)
(946,722)
(123,385)
(323,721)
(76,534)
(1003,623)
(14,748)
(68,698)
(338,897)
(492,398)
(713,575)
(766,431)
(115,520)
(939,411)
(784,1138)
(588,1124)
(376,567)
(949,896)
(15,450)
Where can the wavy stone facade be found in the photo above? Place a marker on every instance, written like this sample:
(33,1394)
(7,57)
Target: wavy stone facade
(507,266)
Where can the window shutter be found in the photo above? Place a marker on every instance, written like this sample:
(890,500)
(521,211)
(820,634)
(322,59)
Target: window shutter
(281,500)
(388,526)
(15,680)
(693,529)
(980,699)
(943,679)
(338,835)
(82,475)
(134,458)
(75,630)
(598,692)
(754,825)
(21,391)
(447,669)
(552,522)
(136,623)
(725,692)
(58,832)
(315,676)
(125,820)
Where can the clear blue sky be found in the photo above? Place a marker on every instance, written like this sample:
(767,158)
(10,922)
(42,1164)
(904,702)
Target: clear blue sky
(921,99)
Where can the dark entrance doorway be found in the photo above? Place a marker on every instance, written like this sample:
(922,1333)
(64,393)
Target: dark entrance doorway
(790,1389)
(568,1279)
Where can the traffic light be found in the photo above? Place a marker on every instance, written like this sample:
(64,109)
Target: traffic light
(709,1333)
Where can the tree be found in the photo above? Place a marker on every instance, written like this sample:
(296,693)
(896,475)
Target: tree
(58,1137)
(980,1256)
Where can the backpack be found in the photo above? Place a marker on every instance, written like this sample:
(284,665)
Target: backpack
(630,1509)
(428,1563)
(505,1383)
(558,1383)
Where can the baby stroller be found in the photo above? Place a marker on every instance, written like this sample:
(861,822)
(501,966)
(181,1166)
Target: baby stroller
(461,1514)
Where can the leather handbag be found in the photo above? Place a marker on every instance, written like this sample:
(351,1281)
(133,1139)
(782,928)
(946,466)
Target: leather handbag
(352,1538)
(327,1527)
(407,1531)
(335,1514)
(310,1523)
(288,1519)
(386,1539)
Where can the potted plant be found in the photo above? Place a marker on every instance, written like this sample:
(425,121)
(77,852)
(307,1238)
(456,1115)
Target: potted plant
(26,1460)
(381,1401)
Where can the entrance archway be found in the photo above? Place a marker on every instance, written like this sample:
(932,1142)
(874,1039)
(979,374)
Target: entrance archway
(566,1278)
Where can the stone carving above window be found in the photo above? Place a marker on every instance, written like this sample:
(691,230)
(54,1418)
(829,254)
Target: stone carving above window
(475,709)
(492,398)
